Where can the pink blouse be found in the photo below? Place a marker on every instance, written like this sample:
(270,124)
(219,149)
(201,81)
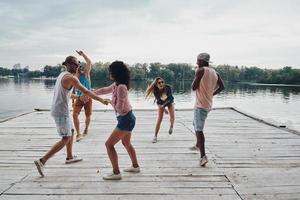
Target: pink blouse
(119,101)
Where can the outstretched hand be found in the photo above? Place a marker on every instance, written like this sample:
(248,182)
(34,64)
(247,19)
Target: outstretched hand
(80,52)
(106,101)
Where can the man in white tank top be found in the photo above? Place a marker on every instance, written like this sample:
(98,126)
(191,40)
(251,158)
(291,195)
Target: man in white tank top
(206,84)
(60,111)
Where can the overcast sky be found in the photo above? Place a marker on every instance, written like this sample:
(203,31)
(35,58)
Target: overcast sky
(263,33)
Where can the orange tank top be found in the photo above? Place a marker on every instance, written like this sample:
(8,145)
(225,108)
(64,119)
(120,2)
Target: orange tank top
(206,89)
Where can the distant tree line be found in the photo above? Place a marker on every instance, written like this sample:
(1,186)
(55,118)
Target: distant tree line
(175,71)
(285,75)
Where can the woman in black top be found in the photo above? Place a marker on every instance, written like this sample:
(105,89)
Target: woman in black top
(164,98)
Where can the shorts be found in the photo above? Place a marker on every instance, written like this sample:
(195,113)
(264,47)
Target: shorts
(87,106)
(200,116)
(168,104)
(64,125)
(126,122)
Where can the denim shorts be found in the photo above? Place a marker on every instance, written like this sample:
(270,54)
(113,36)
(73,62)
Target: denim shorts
(63,125)
(200,116)
(126,122)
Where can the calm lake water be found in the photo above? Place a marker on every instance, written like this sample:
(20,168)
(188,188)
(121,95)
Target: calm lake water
(280,104)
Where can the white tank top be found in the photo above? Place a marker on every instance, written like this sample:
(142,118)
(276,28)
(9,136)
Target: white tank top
(61,98)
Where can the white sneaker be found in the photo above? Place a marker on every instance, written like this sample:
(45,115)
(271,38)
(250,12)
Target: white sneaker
(73,160)
(132,169)
(170,130)
(203,161)
(154,139)
(112,176)
(40,167)
(194,148)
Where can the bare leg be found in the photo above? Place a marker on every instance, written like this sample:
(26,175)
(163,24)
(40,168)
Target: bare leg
(76,123)
(159,119)
(114,138)
(172,114)
(201,142)
(69,147)
(55,148)
(87,123)
(88,112)
(130,149)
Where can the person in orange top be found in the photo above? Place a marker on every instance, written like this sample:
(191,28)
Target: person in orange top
(206,84)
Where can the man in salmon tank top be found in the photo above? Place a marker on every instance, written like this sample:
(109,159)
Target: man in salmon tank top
(60,112)
(206,84)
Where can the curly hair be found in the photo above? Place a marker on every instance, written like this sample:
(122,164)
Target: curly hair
(120,73)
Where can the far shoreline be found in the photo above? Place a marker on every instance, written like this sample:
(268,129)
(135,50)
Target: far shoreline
(247,83)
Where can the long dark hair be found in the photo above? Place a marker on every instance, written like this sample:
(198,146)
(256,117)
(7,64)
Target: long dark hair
(120,73)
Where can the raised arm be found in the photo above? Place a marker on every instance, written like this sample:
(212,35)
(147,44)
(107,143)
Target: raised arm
(198,76)
(220,84)
(88,61)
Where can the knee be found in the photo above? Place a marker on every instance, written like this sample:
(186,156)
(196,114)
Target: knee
(172,118)
(125,144)
(199,133)
(66,139)
(108,145)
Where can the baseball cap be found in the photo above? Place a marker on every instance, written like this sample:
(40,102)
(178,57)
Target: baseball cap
(204,57)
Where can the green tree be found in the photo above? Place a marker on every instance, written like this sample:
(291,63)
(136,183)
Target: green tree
(5,72)
(167,75)
(52,71)
(155,70)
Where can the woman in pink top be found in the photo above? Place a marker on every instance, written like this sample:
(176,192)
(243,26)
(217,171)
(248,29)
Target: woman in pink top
(120,74)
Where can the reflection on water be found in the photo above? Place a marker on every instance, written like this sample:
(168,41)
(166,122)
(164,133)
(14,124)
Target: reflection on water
(246,89)
(278,103)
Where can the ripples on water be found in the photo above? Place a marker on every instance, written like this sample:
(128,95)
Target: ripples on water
(280,104)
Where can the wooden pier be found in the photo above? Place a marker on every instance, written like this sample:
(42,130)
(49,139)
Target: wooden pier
(248,159)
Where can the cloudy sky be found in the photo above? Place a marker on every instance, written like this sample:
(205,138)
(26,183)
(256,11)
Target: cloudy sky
(263,33)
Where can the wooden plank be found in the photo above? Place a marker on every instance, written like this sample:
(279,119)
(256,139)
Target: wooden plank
(123,197)
(247,159)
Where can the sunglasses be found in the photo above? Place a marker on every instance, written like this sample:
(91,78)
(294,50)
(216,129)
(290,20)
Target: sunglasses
(160,82)
(76,64)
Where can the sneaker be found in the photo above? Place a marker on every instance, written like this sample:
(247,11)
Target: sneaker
(203,161)
(78,138)
(170,130)
(194,148)
(154,139)
(73,160)
(112,176)
(132,169)
(40,167)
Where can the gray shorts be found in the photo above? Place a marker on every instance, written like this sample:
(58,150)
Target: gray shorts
(200,116)
(63,125)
